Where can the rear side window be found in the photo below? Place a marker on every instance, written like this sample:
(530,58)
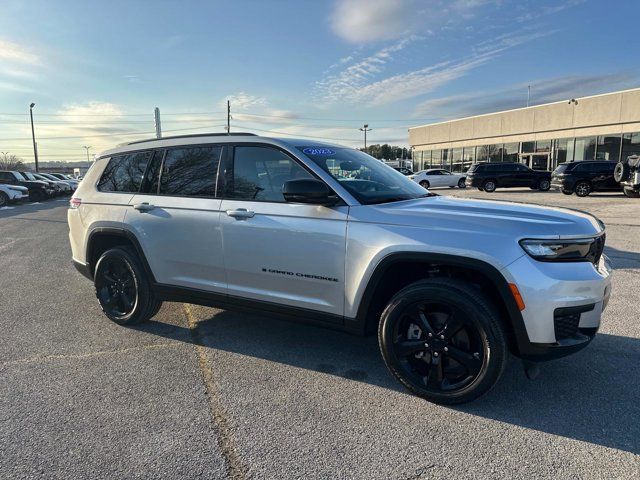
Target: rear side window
(190,172)
(124,173)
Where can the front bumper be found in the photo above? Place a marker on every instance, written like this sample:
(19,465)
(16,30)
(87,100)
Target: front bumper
(473,182)
(551,290)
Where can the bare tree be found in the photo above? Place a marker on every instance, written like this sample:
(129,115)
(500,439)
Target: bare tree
(11,162)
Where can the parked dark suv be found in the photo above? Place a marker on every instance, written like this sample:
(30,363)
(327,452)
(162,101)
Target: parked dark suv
(489,176)
(37,190)
(582,178)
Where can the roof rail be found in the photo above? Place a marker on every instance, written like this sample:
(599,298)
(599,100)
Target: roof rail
(234,134)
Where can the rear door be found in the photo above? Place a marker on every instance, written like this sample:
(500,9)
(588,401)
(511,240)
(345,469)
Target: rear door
(278,252)
(176,217)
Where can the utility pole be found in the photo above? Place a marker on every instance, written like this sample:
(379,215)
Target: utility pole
(228,117)
(528,94)
(365,129)
(87,147)
(33,135)
(156,120)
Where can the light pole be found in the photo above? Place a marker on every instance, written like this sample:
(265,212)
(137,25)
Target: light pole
(33,135)
(87,147)
(365,129)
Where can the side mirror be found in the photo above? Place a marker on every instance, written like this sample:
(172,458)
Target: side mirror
(309,191)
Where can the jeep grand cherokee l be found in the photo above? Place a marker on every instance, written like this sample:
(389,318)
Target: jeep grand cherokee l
(489,176)
(327,234)
(585,177)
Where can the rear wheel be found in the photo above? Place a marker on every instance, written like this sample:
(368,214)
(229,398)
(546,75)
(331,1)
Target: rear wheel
(631,193)
(122,287)
(544,185)
(462,183)
(425,183)
(489,186)
(582,189)
(443,340)
(4,199)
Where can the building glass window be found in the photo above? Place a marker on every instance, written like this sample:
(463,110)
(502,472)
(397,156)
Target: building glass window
(495,152)
(571,147)
(468,157)
(436,157)
(483,154)
(456,160)
(630,144)
(510,152)
(560,153)
(528,147)
(416,160)
(585,149)
(608,148)
(446,159)
(543,146)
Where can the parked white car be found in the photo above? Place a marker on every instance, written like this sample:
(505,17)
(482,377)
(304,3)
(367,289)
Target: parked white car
(12,193)
(438,177)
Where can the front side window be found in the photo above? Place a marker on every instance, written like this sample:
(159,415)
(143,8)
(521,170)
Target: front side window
(190,172)
(124,173)
(260,172)
(367,179)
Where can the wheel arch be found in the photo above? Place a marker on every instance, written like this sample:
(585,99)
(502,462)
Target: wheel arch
(398,270)
(101,239)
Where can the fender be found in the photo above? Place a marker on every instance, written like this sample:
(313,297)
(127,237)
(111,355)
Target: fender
(515,319)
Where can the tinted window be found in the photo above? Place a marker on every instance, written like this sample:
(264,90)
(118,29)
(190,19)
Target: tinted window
(6,176)
(260,172)
(190,172)
(124,173)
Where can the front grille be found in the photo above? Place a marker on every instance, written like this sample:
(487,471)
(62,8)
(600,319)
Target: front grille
(597,247)
(567,319)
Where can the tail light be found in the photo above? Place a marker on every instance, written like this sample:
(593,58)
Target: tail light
(75,202)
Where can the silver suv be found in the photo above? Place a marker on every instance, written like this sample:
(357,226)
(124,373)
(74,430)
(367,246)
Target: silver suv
(329,235)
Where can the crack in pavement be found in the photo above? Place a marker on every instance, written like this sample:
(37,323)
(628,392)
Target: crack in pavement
(79,356)
(225,439)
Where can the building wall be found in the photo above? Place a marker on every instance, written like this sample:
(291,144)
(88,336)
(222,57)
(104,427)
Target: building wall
(612,114)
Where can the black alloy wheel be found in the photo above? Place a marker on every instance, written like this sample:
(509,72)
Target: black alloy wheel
(582,189)
(631,193)
(489,186)
(425,184)
(122,287)
(462,183)
(544,185)
(4,199)
(442,342)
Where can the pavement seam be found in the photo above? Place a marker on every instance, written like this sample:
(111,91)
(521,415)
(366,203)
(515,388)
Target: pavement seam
(225,439)
(80,356)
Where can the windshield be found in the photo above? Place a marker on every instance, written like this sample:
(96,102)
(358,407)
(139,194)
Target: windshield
(27,176)
(367,179)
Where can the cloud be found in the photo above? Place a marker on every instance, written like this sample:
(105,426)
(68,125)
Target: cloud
(243,101)
(14,53)
(14,87)
(542,11)
(515,96)
(78,113)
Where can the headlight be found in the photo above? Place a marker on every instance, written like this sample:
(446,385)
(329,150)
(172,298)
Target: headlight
(582,249)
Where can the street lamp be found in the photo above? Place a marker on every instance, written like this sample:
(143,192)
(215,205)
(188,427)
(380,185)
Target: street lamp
(87,147)
(365,129)
(33,135)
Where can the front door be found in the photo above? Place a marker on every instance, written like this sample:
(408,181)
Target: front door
(176,218)
(277,252)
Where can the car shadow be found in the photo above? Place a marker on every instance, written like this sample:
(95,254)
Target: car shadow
(592,396)
(622,259)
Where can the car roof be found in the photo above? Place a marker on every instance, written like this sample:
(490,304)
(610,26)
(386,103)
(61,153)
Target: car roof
(196,139)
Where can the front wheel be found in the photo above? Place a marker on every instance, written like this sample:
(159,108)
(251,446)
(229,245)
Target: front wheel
(462,183)
(122,287)
(567,192)
(425,184)
(443,340)
(582,189)
(489,186)
(4,199)
(631,193)
(544,185)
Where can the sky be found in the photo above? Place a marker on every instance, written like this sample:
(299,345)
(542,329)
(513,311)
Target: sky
(317,69)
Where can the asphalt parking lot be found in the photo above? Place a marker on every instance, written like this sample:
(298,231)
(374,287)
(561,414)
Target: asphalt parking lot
(200,392)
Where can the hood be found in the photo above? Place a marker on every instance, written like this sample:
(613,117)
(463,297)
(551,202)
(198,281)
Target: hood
(34,183)
(467,216)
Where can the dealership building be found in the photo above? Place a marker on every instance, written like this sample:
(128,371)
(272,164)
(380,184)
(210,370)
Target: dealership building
(600,127)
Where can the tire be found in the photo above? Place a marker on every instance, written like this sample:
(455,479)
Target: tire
(122,287)
(462,183)
(4,199)
(631,193)
(622,172)
(582,189)
(489,186)
(481,189)
(425,184)
(456,367)
(567,192)
(544,185)
(36,196)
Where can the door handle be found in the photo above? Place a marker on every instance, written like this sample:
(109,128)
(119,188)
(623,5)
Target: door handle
(240,213)
(144,207)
